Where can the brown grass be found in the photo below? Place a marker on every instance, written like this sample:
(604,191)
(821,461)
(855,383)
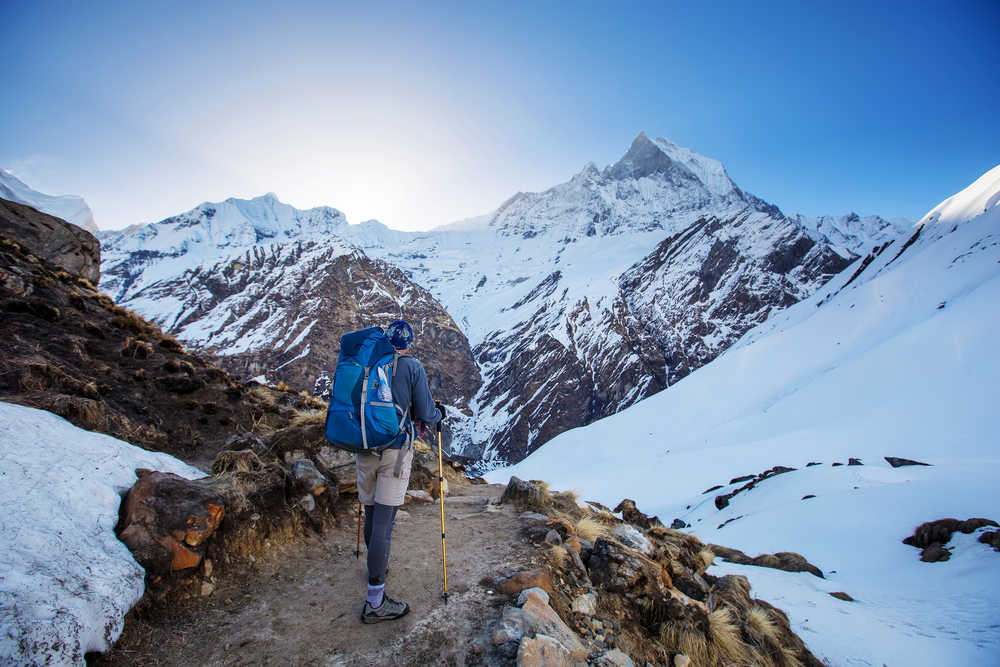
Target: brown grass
(559,556)
(171,344)
(136,349)
(760,620)
(705,559)
(591,528)
(83,282)
(129,321)
(725,634)
(682,638)
(307,418)
(236,460)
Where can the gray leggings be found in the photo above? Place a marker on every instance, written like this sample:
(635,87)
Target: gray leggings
(379,520)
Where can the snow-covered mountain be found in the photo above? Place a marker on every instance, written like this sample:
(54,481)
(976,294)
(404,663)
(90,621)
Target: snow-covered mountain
(578,301)
(855,233)
(67,207)
(894,357)
(269,289)
(583,299)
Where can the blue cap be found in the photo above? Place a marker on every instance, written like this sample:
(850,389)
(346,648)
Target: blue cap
(400,334)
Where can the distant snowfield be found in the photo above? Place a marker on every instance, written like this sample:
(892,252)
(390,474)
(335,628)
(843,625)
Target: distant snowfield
(902,362)
(66,581)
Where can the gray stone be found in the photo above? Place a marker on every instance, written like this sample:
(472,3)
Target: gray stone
(308,502)
(532,516)
(312,480)
(585,604)
(543,651)
(529,591)
(552,537)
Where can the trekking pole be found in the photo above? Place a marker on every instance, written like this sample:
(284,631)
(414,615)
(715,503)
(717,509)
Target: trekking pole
(444,552)
(357,550)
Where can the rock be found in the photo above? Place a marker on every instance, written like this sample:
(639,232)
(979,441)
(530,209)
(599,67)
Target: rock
(309,478)
(585,604)
(854,462)
(897,462)
(466,500)
(247,441)
(681,660)
(65,245)
(402,515)
(991,538)
(512,585)
(307,502)
(631,537)
(841,595)
(631,514)
(521,493)
(420,496)
(542,620)
(532,516)
(940,531)
(207,589)
(331,459)
(678,524)
(532,591)
(808,496)
(552,537)
(165,518)
(542,651)
(613,658)
(934,553)
(206,568)
(620,569)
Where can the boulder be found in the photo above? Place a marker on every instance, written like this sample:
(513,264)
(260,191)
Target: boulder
(543,620)
(521,493)
(631,514)
(614,658)
(166,518)
(242,441)
(523,597)
(620,569)
(542,651)
(897,462)
(304,472)
(585,604)
(514,584)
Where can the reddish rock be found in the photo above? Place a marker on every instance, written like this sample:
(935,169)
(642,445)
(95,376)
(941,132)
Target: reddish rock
(514,584)
(165,518)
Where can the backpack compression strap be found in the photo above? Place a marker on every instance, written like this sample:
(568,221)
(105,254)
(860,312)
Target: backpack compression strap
(364,399)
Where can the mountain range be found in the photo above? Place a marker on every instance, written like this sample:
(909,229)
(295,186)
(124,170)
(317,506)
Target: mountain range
(557,309)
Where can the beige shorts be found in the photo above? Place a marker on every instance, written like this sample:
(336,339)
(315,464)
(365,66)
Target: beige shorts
(376,483)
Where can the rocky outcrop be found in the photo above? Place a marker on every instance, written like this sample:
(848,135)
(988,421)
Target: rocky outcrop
(65,246)
(67,348)
(651,602)
(932,537)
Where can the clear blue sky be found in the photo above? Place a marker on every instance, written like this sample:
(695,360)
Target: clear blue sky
(422,113)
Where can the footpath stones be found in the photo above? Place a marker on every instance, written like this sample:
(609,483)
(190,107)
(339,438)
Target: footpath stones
(521,493)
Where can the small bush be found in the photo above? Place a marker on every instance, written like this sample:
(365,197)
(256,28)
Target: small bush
(136,349)
(83,282)
(170,344)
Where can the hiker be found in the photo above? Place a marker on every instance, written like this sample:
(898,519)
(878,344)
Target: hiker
(383,478)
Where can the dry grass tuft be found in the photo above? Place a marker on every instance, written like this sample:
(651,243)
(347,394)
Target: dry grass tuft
(83,282)
(705,559)
(682,638)
(760,620)
(308,418)
(559,556)
(136,349)
(243,460)
(725,634)
(171,344)
(591,528)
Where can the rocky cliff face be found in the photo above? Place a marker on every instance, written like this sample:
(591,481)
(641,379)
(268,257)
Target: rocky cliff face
(67,247)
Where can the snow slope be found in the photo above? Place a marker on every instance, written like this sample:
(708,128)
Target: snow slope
(66,581)
(66,207)
(897,360)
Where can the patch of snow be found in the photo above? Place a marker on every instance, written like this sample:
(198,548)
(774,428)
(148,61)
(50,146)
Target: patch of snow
(66,581)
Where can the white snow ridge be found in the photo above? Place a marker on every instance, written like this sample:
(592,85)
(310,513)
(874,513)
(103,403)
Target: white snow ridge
(66,581)
(896,360)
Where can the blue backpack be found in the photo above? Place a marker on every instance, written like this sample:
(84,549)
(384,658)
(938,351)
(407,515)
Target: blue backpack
(362,417)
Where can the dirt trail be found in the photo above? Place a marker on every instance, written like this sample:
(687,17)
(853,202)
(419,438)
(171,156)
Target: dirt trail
(302,606)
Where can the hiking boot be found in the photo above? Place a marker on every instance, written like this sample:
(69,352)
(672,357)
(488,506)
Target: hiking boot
(389,610)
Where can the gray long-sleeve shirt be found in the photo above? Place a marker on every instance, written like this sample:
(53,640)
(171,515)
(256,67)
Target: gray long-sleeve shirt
(410,388)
